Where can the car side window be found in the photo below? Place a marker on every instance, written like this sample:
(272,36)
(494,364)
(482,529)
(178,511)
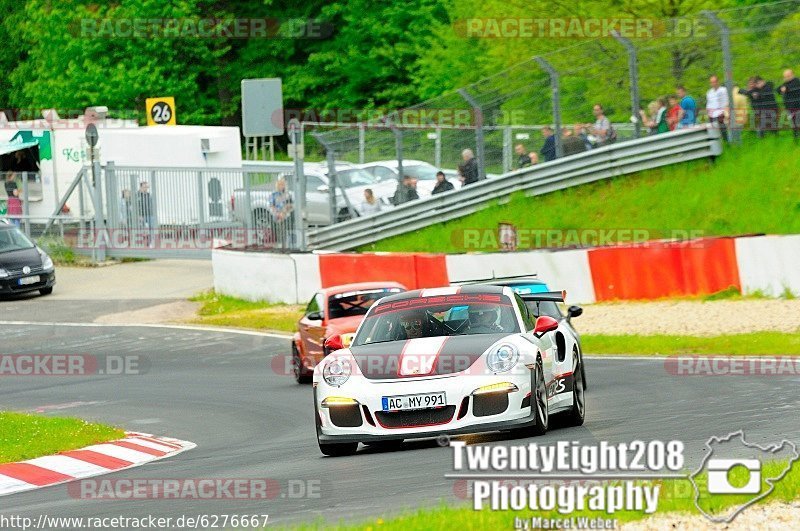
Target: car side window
(313,183)
(383,174)
(527,318)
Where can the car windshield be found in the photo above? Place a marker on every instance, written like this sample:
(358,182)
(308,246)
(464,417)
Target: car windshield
(355,177)
(447,315)
(12,239)
(423,172)
(356,302)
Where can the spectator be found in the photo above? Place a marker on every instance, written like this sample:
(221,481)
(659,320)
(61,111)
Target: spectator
(370,205)
(548,150)
(790,90)
(740,107)
(602,126)
(406,191)
(281,207)
(673,113)
(765,108)
(14,205)
(572,143)
(688,106)
(522,156)
(144,206)
(717,105)
(442,184)
(469,168)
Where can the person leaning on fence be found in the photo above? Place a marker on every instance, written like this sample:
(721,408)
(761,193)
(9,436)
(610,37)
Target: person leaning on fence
(688,114)
(281,207)
(717,105)
(790,90)
(601,130)
(673,112)
(572,143)
(469,168)
(370,205)
(144,206)
(14,204)
(765,107)
(548,150)
(523,159)
(442,184)
(406,191)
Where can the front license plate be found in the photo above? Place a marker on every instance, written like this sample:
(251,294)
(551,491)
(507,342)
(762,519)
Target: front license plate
(28,280)
(407,402)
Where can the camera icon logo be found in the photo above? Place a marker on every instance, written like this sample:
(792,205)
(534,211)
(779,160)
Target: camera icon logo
(720,471)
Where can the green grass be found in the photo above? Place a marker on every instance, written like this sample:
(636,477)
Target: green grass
(223,310)
(24,436)
(750,189)
(676,496)
(756,343)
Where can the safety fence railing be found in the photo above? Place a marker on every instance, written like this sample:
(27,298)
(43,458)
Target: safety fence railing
(596,164)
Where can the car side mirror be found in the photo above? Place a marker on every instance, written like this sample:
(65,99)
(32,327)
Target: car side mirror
(314,316)
(574,311)
(334,343)
(544,324)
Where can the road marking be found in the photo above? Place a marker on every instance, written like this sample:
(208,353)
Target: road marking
(133,325)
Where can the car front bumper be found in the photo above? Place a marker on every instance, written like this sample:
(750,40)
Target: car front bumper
(11,285)
(464,412)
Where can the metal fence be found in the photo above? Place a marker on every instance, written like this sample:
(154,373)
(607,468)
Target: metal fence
(559,86)
(593,165)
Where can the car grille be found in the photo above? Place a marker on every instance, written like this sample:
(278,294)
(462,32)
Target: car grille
(418,417)
(18,271)
(489,404)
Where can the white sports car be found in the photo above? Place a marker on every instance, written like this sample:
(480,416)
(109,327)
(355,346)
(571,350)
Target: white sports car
(449,361)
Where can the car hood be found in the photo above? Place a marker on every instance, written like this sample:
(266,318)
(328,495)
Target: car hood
(19,259)
(422,357)
(344,325)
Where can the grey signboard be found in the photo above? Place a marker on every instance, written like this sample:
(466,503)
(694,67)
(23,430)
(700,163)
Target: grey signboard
(262,107)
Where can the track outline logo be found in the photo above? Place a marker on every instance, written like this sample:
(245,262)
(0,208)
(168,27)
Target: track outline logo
(774,448)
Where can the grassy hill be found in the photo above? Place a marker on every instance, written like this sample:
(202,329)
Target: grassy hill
(752,188)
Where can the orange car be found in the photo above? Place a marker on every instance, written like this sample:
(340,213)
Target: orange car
(337,310)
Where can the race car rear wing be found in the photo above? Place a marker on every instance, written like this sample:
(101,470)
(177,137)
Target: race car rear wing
(492,279)
(554,296)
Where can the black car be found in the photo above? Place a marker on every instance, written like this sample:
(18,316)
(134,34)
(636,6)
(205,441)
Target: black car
(24,267)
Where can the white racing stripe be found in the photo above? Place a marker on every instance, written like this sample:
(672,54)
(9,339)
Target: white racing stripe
(121,453)
(435,292)
(9,485)
(419,355)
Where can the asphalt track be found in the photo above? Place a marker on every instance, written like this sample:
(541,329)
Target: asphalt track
(219,390)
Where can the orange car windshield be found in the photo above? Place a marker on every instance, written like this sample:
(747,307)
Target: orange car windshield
(354,303)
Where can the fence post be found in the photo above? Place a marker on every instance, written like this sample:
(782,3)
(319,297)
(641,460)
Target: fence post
(398,150)
(633,73)
(100,236)
(437,148)
(362,138)
(727,64)
(555,95)
(300,181)
(25,209)
(507,148)
(331,158)
(476,108)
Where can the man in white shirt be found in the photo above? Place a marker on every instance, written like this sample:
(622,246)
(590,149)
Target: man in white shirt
(717,105)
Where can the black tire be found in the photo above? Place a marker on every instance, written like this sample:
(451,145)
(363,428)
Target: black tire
(539,401)
(337,449)
(576,414)
(46,291)
(300,375)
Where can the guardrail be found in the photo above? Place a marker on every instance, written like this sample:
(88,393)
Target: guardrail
(602,163)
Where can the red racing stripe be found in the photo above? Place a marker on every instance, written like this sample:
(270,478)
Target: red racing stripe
(96,458)
(158,441)
(35,475)
(139,448)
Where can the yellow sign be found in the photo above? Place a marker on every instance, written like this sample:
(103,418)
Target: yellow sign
(160,111)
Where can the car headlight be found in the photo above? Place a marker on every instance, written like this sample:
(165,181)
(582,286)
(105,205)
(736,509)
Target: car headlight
(3,273)
(47,262)
(502,358)
(337,371)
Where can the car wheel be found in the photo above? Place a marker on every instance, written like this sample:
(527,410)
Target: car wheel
(337,449)
(46,291)
(301,376)
(577,413)
(539,401)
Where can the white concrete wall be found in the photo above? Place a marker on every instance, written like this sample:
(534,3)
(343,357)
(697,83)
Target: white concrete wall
(271,277)
(769,264)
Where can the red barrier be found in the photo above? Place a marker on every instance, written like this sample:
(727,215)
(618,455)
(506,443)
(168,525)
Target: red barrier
(412,270)
(664,269)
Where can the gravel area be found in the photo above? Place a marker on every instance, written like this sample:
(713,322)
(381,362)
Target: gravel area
(773,516)
(693,318)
